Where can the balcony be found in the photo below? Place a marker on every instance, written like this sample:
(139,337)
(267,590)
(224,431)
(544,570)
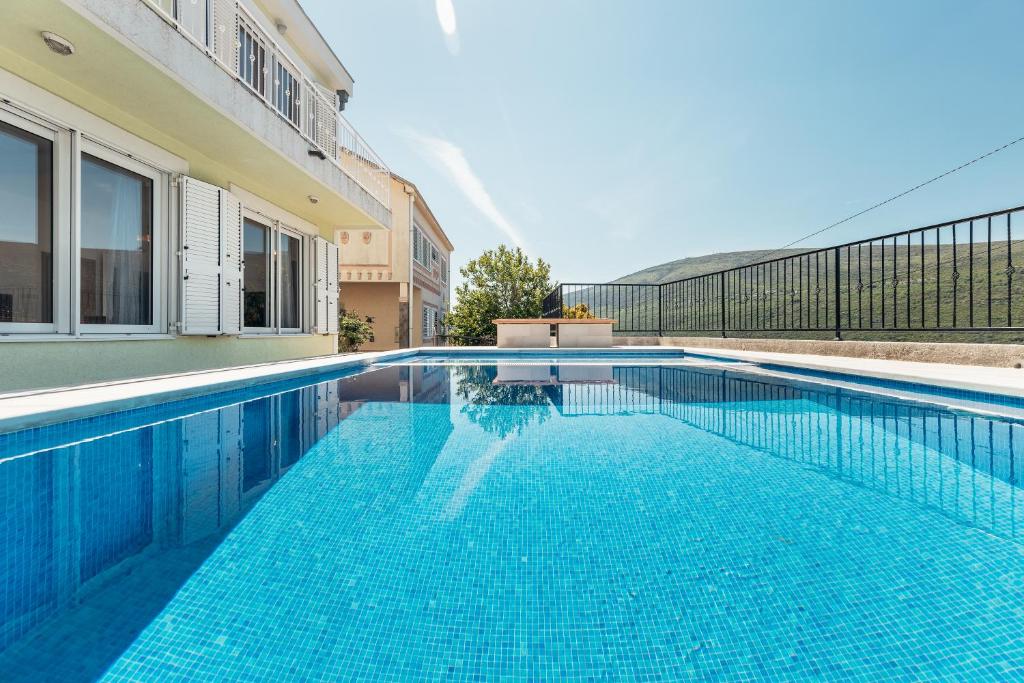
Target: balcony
(235,39)
(274,131)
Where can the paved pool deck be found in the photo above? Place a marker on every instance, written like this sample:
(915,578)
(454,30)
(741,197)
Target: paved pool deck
(23,410)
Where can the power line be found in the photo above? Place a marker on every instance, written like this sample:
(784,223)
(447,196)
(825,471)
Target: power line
(887,201)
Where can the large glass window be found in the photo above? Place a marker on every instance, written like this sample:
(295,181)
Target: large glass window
(26,227)
(258,273)
(116,266)
(291,279)
(273,278)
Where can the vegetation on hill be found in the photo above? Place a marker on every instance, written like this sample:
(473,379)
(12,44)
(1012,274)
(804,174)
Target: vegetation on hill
(944,288)
(701,265)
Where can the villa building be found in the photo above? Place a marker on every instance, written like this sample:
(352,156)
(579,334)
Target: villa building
(172,178)
(378,269)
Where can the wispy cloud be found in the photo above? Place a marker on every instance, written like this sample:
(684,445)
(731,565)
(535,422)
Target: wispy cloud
(451,159)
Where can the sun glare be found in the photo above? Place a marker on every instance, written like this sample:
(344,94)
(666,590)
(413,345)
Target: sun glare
(446,16)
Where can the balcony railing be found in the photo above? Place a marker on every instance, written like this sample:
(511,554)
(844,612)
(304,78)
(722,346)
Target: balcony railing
(236,41)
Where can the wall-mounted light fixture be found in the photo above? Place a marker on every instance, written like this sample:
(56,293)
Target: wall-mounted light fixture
(57,44)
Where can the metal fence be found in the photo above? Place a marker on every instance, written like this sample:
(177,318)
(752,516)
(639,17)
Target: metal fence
(957,276)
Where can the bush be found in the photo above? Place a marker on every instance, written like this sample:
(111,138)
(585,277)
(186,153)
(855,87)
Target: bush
(578,312)
(353,330)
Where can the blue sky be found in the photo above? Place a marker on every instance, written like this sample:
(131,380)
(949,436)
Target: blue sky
(610,136)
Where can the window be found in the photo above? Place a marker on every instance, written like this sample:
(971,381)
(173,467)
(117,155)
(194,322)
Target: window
(26,226)
(291,281)
(80,252)
(252,59)
(433,254)
(273,278)
(429,322)
(286,93)
(257,274)
(421,252)
(444,271)
(116,257)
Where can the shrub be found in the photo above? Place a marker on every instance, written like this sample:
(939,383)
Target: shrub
(578,312)
(353,330)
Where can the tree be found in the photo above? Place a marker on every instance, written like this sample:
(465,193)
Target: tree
(353,330)
(500,283)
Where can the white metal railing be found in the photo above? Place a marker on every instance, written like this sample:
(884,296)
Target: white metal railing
(235,39)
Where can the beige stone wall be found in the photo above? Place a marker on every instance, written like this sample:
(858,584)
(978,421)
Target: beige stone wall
(38,365)
(992,355)
(380,302)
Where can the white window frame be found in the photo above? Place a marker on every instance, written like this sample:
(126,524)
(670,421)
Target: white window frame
(277,228)
(301,285)
(61,216)
(159,204)
(444,271)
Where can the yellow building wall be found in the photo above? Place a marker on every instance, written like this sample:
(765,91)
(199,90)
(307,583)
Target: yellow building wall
(38,365)
(380,302)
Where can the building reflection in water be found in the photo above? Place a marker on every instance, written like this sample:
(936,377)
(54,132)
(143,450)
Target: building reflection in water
(150,502)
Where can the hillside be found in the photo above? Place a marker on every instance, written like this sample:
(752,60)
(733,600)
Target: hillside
(699,265)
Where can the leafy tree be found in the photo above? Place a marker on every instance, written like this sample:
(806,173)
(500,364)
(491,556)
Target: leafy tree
(353,330)
(501,409)
(500,283)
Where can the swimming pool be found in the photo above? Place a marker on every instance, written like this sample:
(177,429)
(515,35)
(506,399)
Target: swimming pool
(485,517)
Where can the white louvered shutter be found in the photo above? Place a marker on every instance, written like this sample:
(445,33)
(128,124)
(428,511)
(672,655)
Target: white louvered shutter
(332,288)
(231,260)
(320,285)
(211,259)
(325,284)
(200,257)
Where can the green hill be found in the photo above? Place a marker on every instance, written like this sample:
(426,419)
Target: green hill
(699,265)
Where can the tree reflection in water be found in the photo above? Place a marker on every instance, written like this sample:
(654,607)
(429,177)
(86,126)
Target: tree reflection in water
(501,409)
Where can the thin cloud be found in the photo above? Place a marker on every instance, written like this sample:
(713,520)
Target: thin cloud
(453,161)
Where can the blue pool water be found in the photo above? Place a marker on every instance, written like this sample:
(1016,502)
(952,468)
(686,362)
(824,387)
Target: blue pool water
(495,518)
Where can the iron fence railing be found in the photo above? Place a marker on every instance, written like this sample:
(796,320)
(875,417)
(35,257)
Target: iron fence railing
(965,275)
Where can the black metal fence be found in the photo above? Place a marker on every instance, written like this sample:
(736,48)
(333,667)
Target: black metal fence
(958,276)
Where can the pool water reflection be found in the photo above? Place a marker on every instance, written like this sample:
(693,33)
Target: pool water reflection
(532,521)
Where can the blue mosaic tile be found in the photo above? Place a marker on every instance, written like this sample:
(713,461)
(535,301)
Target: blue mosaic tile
(465,521)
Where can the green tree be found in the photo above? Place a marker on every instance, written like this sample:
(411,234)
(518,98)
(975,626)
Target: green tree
(500,283)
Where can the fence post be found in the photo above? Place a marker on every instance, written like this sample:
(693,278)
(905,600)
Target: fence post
(838,298)
(661,327)
(721,300)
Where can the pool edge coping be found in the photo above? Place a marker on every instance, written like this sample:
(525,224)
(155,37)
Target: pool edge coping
(40,407)
(26,410)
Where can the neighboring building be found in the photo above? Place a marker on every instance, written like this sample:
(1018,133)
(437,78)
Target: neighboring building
(375,267)
(172,175)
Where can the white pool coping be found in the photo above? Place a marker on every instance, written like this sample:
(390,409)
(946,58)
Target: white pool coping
(23,410)
(1002,381)
(27,409)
